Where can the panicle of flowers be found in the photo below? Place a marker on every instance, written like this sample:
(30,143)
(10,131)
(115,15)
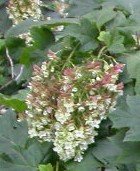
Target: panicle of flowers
(67,106)
(23,9)
(61,6)
(20,10)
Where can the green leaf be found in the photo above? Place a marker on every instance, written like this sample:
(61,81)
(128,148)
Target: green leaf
(113,40)
(32,55)
(88,163)
(12,132)
(81,7)
(105,37)
(104,15)
(2,2)
(2,43)
(113,151)
(5,22)
(133,63)
(86,33)
(13,102)
(129,5)
(25,159)
(119,20)
(21,95)
(117,43)
(101,16)
(42,37)
(128,116)
(16,153)
(26,25)
(47,167)
(15,47)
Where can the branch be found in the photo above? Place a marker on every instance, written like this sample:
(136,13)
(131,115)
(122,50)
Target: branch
(11,63)
(20,73)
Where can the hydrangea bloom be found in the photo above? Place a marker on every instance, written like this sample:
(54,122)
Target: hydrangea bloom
(20,10)
(66,106)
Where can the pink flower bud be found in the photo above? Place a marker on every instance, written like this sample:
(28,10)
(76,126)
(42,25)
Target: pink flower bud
(120,86)
(68,72)
(94,65)
(118,68)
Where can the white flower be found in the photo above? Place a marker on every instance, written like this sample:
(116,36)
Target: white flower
(81,109)
(32,132)
(46,74)
(74,89)
(62,117)
(111,87)
(78,133)
(52,69)
(98,78)
(78,75)
(78,157)
(44,67)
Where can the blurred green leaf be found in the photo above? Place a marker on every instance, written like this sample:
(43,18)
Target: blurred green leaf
(86,33)
(127,116)
(133,63)
(25,159)
(16,151)
(5,22)
(88,163)
(81,7)
(104,15)
(12,132)
(113,40)
(47,167)
(2,43)
(42,37)
(113,151)
(13,102)
(26,25)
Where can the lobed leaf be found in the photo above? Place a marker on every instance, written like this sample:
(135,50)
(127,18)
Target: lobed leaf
(128,116)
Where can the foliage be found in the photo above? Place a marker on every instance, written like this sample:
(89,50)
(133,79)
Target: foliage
(105,28)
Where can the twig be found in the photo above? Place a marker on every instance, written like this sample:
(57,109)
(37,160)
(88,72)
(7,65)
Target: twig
(11,63)
(5,85)
(70,56)
(101,52)
(57,166)
(12,71)
(137,39)
(15,79)
(20,73)
(102,168)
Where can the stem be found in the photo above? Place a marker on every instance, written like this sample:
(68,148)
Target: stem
(110,57)
(57,166)
(102,168)
(20,73)
(137,39)
(10,62)
(70,56)
(101,52)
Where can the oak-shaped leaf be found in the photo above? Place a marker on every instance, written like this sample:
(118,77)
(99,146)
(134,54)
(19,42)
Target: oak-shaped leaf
(89,163)
(86,32)
(25,158)
(17,151)
(128,116)
(12,132)
(114,152)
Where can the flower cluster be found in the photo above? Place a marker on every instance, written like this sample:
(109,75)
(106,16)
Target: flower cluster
(61,6)
(20,10)
(23,9)
(66,106)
